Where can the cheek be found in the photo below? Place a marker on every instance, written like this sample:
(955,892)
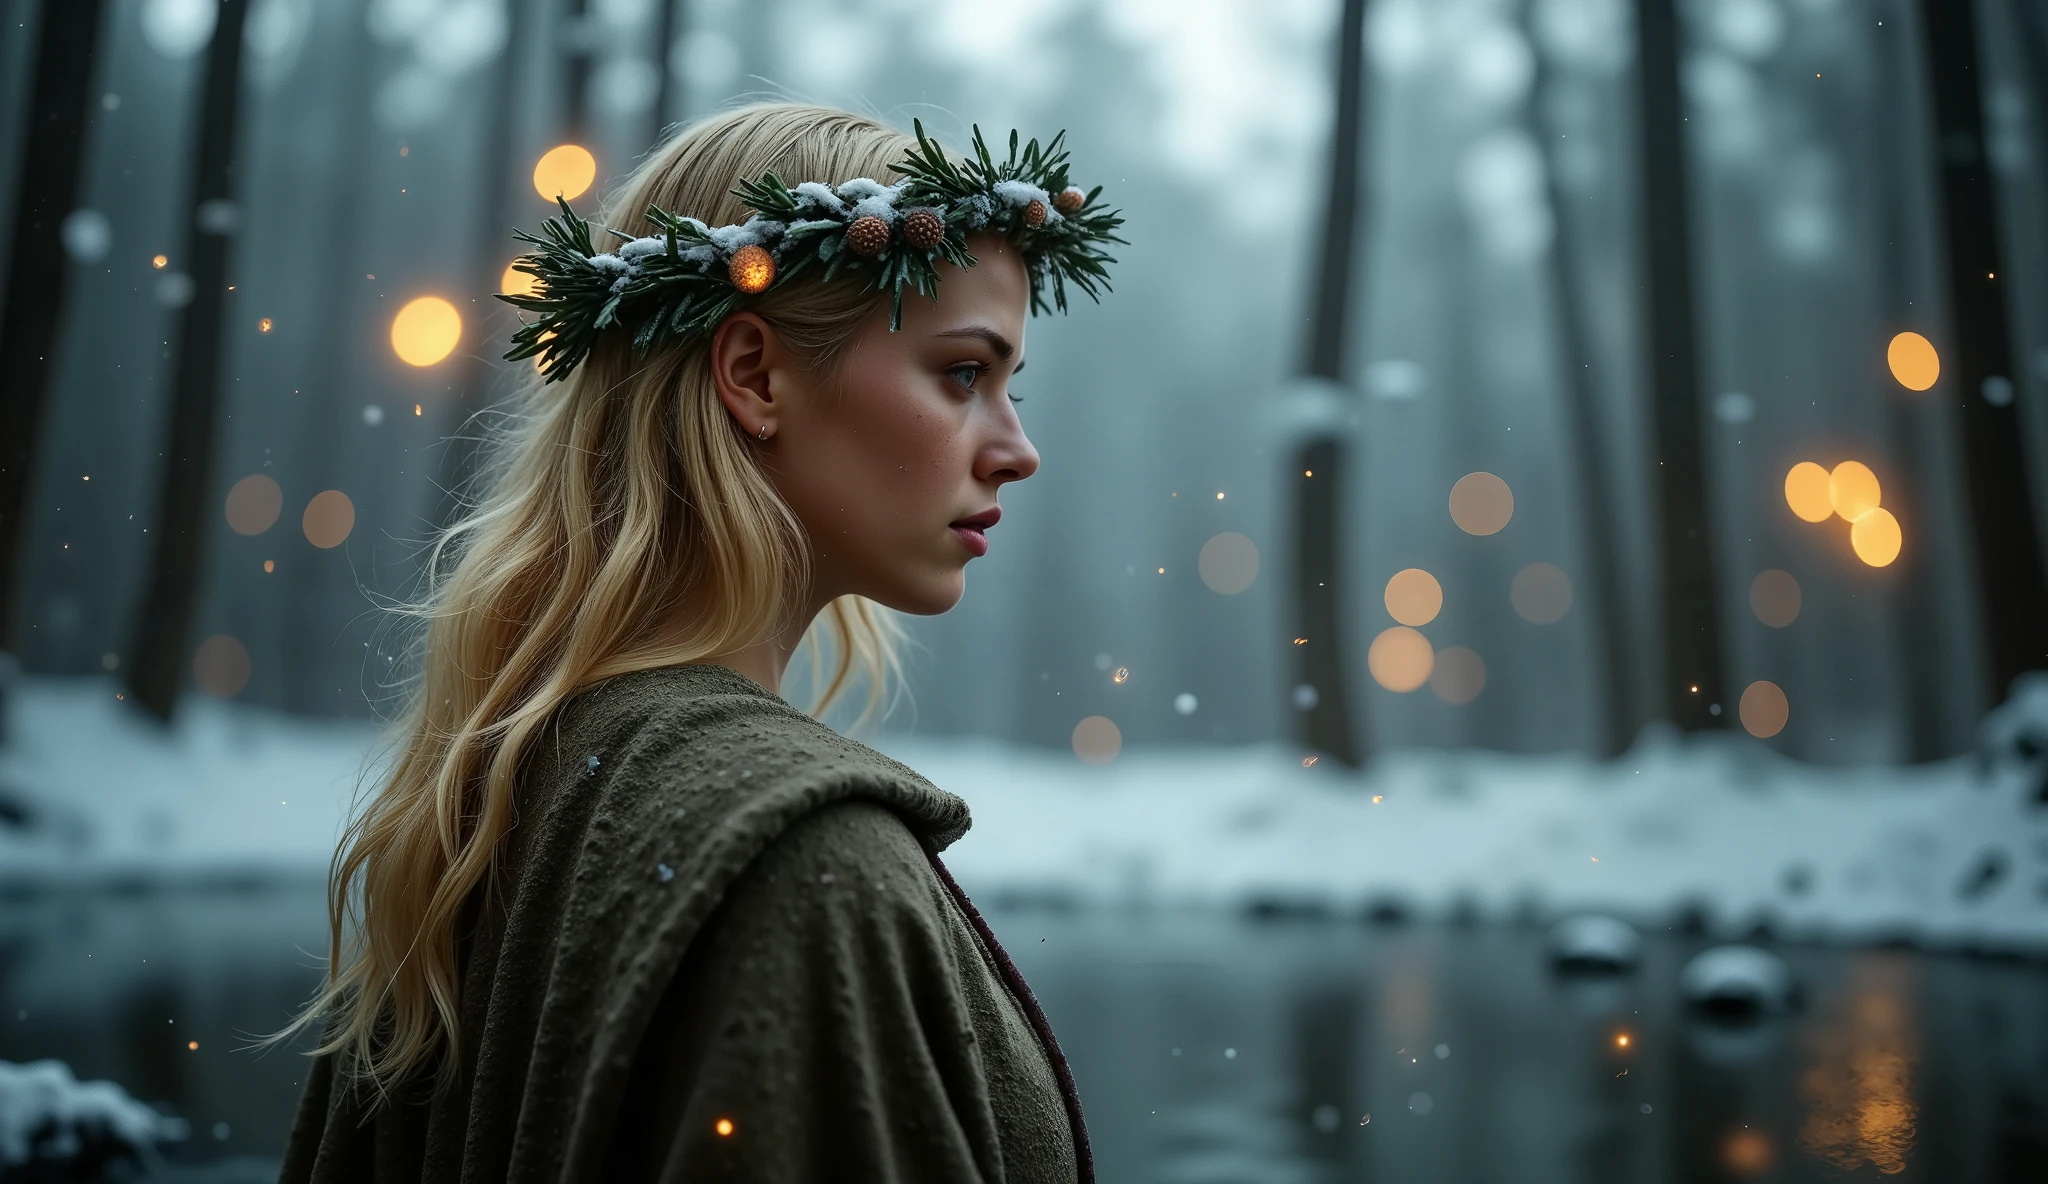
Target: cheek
(910,437)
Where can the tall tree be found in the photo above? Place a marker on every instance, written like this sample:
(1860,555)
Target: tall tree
(1582,412)
(1685,539)
(668,20)
(501,181)
(38,274)
(163,626)
(1318,537)
(2008,547)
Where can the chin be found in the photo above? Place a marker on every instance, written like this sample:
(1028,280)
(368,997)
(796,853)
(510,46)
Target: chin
(928,597)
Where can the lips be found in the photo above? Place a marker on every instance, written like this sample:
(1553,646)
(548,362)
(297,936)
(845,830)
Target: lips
(969,530)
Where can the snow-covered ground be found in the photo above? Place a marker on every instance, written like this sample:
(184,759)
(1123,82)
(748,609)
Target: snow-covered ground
(1951,855)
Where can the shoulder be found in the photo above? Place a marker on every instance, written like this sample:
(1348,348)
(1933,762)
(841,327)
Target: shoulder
(693,750)
(854,844)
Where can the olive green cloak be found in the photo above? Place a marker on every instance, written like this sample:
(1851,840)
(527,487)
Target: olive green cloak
(725,950)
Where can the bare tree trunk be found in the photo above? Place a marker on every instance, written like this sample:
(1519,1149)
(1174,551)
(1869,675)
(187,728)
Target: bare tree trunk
(501,185)
(1908,414)
(1319,538)
(2008,546)
(1692,637)
(163,627)
(670,20)
(37,271)
(1609,615)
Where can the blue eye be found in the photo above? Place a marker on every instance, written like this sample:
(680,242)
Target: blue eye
(973,374)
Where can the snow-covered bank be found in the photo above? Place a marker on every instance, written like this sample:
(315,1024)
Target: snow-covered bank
(1952,855)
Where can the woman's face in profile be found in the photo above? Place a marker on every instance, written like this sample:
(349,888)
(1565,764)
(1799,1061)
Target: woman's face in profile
(914,432)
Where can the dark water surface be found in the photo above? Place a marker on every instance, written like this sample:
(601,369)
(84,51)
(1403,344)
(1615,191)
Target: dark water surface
(1214,1048)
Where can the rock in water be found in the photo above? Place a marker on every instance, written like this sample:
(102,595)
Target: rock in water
(49,1117)
(1593,944)
(1738,982)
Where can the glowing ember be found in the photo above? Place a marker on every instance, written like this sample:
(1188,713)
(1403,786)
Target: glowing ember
(752,269)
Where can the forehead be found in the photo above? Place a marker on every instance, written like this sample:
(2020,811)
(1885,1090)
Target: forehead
(995,289)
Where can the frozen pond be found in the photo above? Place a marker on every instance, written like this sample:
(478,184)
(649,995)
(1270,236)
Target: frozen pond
(1216,1048)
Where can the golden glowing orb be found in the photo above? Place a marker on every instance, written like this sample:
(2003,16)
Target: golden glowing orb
(328,519)
(1414,597)
(1764,709)
(516,282)
(1806,491)
(723,1126)
(1400,659)
(1097,740)
(1876,538)
(1481,503)
(752,269)
(566,170)
(1913,361)
(1853,490)
(425,331)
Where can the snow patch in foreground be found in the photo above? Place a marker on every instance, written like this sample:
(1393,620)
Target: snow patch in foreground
(1717,827)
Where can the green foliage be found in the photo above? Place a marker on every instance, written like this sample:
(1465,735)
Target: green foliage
(680,293)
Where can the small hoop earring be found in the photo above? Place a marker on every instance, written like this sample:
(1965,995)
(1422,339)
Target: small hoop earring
(764,432)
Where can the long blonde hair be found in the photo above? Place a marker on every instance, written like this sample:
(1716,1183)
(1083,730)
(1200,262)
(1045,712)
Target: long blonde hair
(623,524)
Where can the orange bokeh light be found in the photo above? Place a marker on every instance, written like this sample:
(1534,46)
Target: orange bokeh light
(518,283)
(1764,709)
(1414,597)
(1097,740)
(1806,491)
(1913,361)
(567,170)
(426,330)
(1876,538)
(1400,659)
(1853,490)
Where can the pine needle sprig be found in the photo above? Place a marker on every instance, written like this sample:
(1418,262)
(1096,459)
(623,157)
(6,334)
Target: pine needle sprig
(677,286)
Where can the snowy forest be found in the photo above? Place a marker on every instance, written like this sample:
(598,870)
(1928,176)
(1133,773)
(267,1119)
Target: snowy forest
(1538,564)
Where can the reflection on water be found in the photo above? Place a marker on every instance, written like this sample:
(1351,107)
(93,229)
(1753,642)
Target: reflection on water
(1859,1090)
(1213,1049)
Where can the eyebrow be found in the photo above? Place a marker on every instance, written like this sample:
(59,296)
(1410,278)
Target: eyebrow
(994,340)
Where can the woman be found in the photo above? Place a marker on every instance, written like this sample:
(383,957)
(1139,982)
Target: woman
(620,911)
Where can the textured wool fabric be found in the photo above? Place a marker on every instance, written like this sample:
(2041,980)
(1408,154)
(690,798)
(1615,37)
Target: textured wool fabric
(724,949)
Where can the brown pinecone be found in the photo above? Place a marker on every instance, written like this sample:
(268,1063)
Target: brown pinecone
(923,229)
(1034,214)
(868,236)
(1070,200)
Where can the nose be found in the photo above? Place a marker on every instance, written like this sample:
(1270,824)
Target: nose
(1009,457)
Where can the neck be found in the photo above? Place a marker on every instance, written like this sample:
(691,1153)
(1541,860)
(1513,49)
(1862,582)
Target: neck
(765,658)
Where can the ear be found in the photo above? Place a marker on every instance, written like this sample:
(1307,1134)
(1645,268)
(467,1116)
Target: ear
(744,352)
